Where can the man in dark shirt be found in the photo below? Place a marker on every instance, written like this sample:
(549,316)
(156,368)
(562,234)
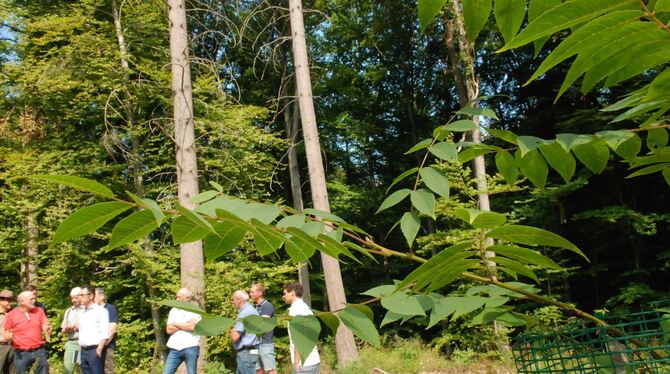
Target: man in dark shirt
(266,349)
(108,352)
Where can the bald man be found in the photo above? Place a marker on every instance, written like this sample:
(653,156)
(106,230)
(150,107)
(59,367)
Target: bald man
(26,326)
(184,345)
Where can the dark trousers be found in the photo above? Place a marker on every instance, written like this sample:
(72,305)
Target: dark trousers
(23,360)
(91,363)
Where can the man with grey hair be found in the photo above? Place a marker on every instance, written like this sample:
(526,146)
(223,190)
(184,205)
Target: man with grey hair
(266,349)
(28,328)
(70,326)
(184,345)
(244,343)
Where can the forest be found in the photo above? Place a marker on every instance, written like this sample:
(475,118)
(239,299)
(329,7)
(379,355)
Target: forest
(451,173)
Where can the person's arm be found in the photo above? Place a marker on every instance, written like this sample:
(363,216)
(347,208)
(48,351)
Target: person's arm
(173,327)
(112,332)
(235,335)
(46,327)
(104,332)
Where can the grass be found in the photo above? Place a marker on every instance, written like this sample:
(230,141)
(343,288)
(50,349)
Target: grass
(409,356)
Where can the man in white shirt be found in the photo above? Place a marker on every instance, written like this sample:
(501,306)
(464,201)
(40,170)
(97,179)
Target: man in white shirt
(93,332)
(293,297)
(70,326)
(184,345)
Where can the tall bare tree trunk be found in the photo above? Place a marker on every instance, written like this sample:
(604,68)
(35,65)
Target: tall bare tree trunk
(138,181)
(192,264)
(29,265)
(344,339)
(292,123)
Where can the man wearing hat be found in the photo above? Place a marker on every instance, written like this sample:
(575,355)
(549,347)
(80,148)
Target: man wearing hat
(6,351)
(70,327)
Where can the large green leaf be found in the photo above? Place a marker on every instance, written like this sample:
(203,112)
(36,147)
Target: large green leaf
(196,218)
(480,219)
(569,141)
(424,201)
(266,239)
(443,308)
(448,274)
(183,305)
(420,145)
(471,110)
(428,10)
(516,267)
(255,324)
(657,138)
(535,9)
(326,216)
(475,15)
(565,15)
(134,227)
(301,246)
(561,160)
(593,155)
(444,151)
(462,125)
(394,199)
(625,37)
(304,332)
(528,143)
(524,255)
(436,180)
(424,274)
(402,176)
(409,226)
(330,320)
(509,16)
(360,325)
(151,205)
(265,213)
(586,37)
(213,325)
(185,231)
(630,148)
(78,183)
(227,236)
(391,317)
(467,304)
(204,196)
(532,236)
(87,220)
(294,220)
(505,135)
(507,167)
(533,166)
(383,290)
(401,303)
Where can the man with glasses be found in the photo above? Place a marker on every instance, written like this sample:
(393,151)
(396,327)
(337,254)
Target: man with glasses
(6,351)
(93,332)
(26,326)
(70,326)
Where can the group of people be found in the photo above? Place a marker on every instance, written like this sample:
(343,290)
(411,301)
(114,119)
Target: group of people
(89,324)
(255,354)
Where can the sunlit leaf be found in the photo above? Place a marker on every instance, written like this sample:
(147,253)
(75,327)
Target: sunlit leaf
(480,218)
(524,255)
(228,235)
(82,184)
(394,199)
(424,201)
(509,15)
(507,167)
(132,228)
(532,236)
(185,231)
(360,325)
(436,180)
(533,166)
(255,324)
(561,160)
(87,220)
(593,155)
(304,332)
(401,303)
(428,10)
(409,225)
(444,151)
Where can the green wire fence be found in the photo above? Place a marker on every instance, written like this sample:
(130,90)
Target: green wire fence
(633,343)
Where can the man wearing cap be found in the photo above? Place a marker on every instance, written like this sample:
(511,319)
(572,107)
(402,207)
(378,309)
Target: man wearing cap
(70,327)
(93,332)
(26,326)
(6,351)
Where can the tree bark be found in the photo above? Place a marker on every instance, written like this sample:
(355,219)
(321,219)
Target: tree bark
(292,123)
(344,339)
(138,181)
(192,262)
(29,266)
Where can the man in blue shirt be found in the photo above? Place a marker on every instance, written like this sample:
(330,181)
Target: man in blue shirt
(245,344)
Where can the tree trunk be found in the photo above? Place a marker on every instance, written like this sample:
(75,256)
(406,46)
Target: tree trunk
(292,122)
(192,264)
(344,339)
(138,181)
(29,267)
